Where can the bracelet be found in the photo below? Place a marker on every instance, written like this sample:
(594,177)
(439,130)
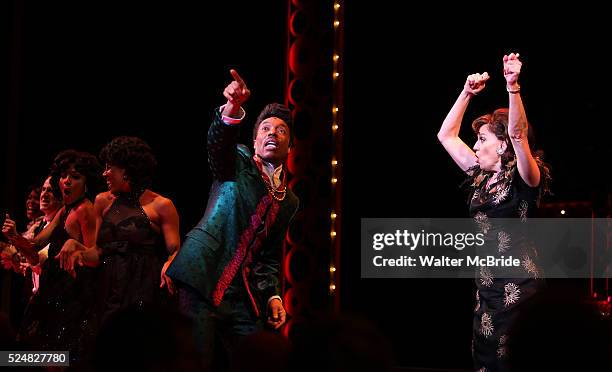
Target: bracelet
(518,89)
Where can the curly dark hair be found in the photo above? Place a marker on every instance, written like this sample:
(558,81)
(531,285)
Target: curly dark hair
(84,163)
(275,110)
(35,187)
(135,156)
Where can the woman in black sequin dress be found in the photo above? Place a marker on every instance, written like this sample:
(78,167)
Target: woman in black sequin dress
(58,316)
(506,180)
(138,232)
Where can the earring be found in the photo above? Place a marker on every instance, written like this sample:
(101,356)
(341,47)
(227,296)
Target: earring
(125,178)
(500,151)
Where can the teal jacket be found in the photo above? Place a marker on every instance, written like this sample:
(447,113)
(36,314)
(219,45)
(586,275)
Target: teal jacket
(212,246)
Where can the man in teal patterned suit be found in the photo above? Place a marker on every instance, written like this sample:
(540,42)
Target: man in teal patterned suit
(227,271)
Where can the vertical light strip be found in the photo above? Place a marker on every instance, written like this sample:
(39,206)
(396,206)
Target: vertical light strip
(336,160)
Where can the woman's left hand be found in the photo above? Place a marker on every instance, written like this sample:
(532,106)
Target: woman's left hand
(69,256)
(512,69)
(166,280)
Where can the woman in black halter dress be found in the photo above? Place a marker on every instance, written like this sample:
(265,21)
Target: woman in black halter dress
(132,256)
(138,232)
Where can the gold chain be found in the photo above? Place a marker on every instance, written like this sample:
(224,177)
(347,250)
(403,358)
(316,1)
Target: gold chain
(273,192)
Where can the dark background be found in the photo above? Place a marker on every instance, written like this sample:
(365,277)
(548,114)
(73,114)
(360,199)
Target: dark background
(84,73)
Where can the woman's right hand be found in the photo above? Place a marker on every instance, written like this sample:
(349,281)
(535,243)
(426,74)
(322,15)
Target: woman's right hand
(475,83)
(9,228)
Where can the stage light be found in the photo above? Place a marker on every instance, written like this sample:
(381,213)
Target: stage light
(336,172)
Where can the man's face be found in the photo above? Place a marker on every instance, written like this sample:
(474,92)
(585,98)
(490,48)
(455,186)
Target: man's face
(48,201)
(272,141)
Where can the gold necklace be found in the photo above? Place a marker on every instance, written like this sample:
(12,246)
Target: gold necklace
(272,191)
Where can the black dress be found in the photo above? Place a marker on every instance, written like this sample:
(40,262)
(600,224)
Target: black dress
(498,299)
(59,315)
(133,253)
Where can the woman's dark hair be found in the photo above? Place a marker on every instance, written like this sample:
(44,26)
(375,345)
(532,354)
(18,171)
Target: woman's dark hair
(135,156)
(36,188)
(498,125)
(84,163)
(275,110)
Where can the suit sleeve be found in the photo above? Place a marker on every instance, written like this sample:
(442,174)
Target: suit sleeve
(221,147)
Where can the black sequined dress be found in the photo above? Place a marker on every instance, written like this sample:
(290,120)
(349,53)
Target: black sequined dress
(59,316)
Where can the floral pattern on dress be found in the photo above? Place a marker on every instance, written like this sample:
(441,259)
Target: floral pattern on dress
(530,266)
(501,194)
(476,195)
(503,242)
(486,277)
(486,325)
(512,293)
(483,222)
